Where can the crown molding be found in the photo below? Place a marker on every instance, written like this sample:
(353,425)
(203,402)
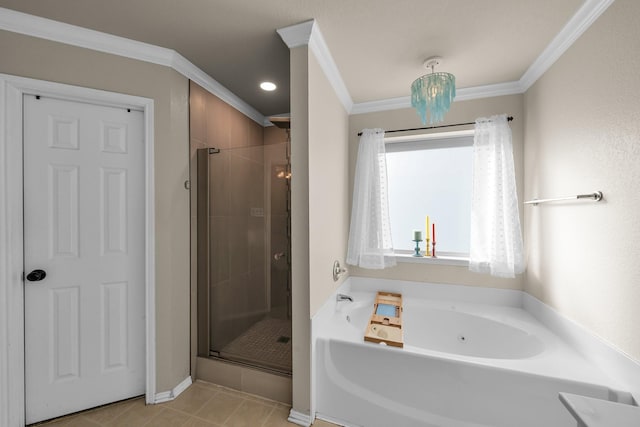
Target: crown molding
(319,47)
(463,94)
(61,32)
(48,29)
(381,105)
(190,71)
(308,33)
(577,25)
(488,91)
(298,34)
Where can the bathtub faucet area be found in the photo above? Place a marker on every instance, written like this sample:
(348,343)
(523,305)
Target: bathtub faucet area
(343,297)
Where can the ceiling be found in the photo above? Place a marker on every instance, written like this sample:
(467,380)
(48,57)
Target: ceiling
(378,46)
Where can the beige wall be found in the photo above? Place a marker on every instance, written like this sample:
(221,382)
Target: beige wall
(582,135)
(328,185)
(40,59)
(461,112)
(319,204)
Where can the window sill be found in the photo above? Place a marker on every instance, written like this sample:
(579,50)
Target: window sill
(439,260)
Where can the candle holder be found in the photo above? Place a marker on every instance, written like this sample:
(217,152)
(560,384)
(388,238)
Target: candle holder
(433,249)
(427,249)
(417,248)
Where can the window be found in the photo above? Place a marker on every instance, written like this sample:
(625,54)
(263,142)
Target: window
(431,175)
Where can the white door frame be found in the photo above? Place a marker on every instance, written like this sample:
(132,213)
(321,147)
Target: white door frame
(12,88)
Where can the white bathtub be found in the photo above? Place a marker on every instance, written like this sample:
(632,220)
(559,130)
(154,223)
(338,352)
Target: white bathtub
(469,360)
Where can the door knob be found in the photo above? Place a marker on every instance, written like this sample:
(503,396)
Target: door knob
(36,275)
(278,256)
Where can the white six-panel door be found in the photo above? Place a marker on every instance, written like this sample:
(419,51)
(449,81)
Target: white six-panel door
(84,227)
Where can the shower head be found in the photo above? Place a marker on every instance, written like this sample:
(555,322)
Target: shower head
(283,122)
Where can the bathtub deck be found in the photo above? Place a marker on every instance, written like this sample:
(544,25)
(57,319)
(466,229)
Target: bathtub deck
(459,387)
(558,360)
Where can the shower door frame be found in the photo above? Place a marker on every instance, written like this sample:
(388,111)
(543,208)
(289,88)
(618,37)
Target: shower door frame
(270,255)
(203,272)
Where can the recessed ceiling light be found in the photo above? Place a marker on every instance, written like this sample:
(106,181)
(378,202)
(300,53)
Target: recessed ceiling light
(268,86)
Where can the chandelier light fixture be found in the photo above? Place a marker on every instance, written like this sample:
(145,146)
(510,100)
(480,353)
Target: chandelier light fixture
(433,93)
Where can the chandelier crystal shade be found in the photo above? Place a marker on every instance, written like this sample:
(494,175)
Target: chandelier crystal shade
(433,93)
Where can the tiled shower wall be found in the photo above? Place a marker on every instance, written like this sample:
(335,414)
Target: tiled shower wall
(235,260)
(235,219)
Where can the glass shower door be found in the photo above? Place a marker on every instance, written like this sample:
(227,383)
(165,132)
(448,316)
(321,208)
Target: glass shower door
(243,256)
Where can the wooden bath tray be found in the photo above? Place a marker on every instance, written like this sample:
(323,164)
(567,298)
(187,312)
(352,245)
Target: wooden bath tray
(385,324)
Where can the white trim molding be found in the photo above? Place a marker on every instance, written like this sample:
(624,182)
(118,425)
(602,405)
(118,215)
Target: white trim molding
(575,27)
(190,71)
(166,396)
(308,33)
(299,418)
(319,47)
(305,33)
(298,34)
(150,248)
(463,94)
(48,29)
(488,91)
(382,105)
(11,264)
(12,88)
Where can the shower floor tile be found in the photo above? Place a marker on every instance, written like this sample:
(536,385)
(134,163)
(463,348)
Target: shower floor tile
(266,343)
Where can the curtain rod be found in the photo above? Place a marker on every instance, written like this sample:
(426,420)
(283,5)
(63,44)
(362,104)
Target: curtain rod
(510,118)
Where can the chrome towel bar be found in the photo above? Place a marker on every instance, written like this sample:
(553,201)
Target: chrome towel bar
(597,196)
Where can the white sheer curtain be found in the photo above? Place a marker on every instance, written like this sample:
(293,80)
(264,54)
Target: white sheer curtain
(496,238)
(370,232)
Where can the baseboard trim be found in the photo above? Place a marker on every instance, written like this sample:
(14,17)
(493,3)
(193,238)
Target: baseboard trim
(166,396)
(299,418)
(177,390)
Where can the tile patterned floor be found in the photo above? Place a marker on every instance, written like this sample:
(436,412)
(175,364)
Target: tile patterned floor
(260,343)
(201,405)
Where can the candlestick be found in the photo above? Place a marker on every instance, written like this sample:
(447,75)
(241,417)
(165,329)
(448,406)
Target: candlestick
(426,228)
(427,249)
(417,248)
(433,240)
